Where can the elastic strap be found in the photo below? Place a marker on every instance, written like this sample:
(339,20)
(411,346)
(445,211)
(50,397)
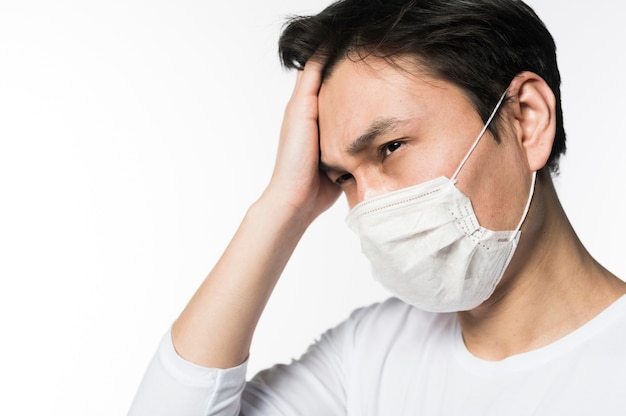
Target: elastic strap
(482,132)
(530,198)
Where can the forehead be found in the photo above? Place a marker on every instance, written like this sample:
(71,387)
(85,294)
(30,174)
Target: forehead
(361,92)
(369,82)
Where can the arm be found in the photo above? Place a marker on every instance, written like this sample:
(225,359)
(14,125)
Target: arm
(198,368)
(216,328)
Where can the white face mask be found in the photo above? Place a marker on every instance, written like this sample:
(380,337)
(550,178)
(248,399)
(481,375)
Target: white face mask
(427,248)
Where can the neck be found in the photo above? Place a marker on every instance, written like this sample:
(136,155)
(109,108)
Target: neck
(552,287)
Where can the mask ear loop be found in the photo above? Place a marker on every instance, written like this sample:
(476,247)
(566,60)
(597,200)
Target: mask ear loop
(530,198)
(482,132)
(467,155)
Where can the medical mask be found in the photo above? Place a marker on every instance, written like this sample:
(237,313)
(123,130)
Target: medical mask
(427,248)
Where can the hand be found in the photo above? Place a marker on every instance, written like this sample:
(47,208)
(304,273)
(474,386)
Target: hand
(297,179)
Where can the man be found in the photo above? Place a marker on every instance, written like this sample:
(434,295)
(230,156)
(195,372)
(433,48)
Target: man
(441,123)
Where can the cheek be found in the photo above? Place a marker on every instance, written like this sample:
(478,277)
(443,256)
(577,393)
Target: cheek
(498,184)
(421,164)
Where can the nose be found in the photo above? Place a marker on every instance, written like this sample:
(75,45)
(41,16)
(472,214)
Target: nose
(368,186)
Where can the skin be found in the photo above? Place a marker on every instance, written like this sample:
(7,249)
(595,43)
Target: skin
(382,129)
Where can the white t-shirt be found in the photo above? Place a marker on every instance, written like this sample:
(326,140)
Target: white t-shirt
(390,359)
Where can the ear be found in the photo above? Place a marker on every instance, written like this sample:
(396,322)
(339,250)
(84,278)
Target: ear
(534,109)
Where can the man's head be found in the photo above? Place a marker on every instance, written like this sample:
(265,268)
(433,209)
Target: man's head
(477,45)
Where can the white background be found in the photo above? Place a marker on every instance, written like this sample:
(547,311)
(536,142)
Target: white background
(133,136)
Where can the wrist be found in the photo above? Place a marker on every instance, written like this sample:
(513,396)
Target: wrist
(280,214)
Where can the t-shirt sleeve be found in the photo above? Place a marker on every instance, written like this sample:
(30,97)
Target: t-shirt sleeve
(314,384)
(174,386)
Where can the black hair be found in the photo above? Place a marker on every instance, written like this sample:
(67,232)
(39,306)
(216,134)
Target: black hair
(478,45)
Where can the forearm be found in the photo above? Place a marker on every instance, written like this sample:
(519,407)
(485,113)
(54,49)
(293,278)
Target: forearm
(216,328)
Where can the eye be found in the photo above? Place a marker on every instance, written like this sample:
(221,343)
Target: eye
(343,179)
(390,147)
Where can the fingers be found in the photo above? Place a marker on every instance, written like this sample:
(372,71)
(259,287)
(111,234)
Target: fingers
(309,79)
(297,180)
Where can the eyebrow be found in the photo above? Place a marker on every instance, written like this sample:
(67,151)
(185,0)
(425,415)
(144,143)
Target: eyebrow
(379,127)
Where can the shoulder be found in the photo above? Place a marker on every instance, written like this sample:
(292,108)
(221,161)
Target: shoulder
(393,317)
(607,327)
(393,308)
(386,337)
